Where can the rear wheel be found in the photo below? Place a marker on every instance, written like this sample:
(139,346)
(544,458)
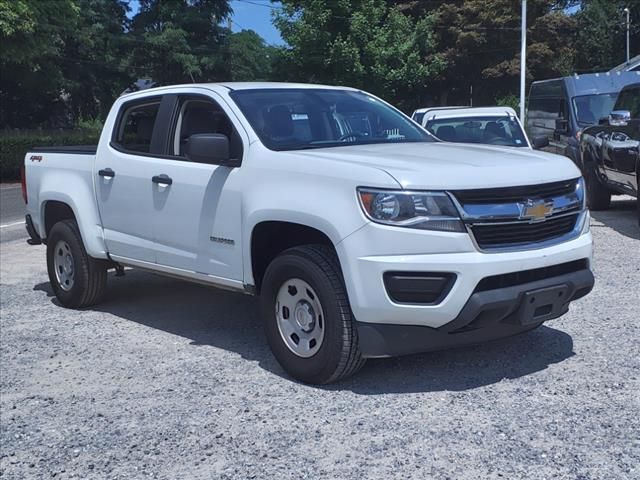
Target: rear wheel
(598,195)
(77,279)
(307,318)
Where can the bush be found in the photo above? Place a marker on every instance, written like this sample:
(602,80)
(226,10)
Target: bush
(14,144)
(508,100)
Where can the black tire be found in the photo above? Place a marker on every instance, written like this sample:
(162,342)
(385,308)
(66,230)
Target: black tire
(598,195)
(638,195)
(338,356)
(89,275)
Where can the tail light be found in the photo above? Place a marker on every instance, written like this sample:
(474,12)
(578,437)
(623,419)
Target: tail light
(23,182)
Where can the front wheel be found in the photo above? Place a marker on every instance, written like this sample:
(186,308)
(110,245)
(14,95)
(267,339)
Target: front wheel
(307,318)
(77,279)
(598,195)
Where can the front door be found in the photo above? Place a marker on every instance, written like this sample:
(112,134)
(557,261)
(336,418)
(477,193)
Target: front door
(197,208)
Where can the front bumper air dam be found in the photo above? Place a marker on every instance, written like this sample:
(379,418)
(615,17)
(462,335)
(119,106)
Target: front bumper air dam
(487,315)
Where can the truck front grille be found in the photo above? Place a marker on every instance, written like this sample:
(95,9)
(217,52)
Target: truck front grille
(522,217)
(515,194)
(522,233)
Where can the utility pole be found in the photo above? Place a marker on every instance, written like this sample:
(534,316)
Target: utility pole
(628,12)
(523,59)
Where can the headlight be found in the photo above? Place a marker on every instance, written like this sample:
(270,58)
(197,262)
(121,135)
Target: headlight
(581,192)
(422,210)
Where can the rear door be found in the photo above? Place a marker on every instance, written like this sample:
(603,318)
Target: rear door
(122,176)
(197,210)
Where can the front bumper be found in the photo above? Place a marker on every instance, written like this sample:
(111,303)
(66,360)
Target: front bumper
(366,255)
(487,315)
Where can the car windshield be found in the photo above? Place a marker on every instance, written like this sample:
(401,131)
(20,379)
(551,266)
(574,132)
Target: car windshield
(591,108)
(302,118)
(491,130)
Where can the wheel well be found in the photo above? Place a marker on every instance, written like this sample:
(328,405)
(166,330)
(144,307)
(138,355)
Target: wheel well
(269,239)
(55,212)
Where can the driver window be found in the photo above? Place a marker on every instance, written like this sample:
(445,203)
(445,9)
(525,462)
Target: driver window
(197,116)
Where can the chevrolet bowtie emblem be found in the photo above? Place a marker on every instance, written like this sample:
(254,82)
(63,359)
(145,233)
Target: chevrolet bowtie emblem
(535,210)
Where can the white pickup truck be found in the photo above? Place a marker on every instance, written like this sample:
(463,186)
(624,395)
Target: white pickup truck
(363,235)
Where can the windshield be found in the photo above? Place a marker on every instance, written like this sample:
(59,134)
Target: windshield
(591,108)
(301,118)
(490,130)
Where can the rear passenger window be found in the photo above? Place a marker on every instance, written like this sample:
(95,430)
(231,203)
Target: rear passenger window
(135,128)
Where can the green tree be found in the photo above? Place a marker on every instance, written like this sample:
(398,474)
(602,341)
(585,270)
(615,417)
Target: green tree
(251,58)
(95,59)
(360,43)
(480,40)
(32,37)
(602,34)
(181,40)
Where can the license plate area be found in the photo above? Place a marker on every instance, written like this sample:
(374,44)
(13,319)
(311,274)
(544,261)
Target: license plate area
(543,304)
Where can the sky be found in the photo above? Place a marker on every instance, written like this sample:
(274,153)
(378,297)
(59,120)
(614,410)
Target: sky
(256,15)
(247,15)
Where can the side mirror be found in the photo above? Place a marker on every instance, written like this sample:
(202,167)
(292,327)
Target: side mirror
(562,125)
(212,148)
(619,118)
(540,141)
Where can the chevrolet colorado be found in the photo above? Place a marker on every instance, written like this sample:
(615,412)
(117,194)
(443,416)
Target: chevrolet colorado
(363,235)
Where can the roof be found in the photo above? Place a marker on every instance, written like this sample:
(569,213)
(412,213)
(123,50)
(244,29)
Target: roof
(452,112)
(275,85)
(428,109)
(594,83)
(241,86)
(632,65)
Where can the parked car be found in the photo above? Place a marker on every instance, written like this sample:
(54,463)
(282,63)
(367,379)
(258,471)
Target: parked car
(562,107)
(611,152)
(486,125)
(363,236)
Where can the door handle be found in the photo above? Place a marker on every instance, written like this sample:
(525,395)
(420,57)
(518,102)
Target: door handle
(107,173)
(162,179)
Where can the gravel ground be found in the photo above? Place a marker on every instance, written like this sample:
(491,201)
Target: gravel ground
(171,380)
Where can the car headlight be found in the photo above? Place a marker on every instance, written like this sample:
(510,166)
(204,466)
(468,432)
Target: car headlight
(581,192)
(422,210)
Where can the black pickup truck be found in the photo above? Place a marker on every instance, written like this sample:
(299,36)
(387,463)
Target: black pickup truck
(611,152)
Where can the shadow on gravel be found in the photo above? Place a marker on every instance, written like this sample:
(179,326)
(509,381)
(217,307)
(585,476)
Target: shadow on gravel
(621,217)
(464,368)
(231,321)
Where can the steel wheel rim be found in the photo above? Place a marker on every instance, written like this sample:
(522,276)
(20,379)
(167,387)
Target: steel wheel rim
(300,317)
(64,265)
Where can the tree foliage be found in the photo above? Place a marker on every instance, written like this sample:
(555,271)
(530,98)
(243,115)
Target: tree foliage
(480,41)
(32,43)
(251,59)
(181,41)
(63,62)
(601,33)
(361,43)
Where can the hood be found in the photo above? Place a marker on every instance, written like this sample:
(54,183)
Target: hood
(453,166)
